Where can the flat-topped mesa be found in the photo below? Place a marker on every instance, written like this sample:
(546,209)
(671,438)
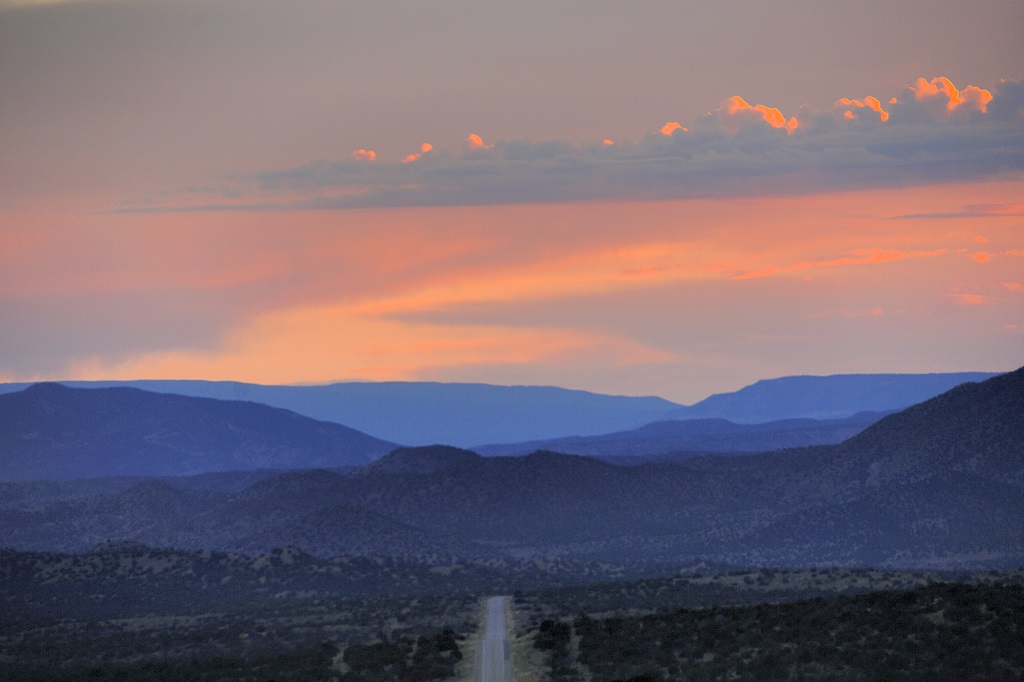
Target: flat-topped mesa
(55,432)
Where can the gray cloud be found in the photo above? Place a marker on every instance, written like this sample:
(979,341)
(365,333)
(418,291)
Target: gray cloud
(969,211)
(930,133)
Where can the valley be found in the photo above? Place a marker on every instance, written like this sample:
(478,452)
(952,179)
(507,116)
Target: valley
(372,566)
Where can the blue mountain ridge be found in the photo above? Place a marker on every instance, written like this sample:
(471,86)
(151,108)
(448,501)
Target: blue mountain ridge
(466,415)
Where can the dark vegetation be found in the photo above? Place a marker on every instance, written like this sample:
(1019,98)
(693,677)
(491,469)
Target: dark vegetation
(85,620)
(403,660)
(939,632)
(124,579)
(144,613)
(720,586)
(257,636)
(298,666)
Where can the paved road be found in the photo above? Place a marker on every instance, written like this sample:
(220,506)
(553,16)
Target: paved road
(492,651)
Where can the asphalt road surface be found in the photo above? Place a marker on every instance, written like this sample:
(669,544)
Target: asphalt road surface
(492,652)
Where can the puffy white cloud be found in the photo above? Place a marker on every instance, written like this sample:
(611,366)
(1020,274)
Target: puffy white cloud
(930,132)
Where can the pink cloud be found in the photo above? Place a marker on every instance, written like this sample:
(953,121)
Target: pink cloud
(853,313)
(970,299)
(756,274)
(867,256)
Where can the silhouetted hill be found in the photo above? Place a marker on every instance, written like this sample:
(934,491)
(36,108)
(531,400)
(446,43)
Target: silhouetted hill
(699,435)
(976,427)
(973,428)
(38,493)
(342,530)
(423,460)
(79,524)
(55,432)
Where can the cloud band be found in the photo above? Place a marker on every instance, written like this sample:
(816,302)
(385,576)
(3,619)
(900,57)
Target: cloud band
(930,133)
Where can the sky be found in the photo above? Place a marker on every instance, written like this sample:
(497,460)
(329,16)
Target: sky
(650,198)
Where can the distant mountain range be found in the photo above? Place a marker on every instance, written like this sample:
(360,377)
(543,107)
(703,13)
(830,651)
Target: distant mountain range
(467,415)
(60,432)
(684,438)
(825,397)
(939,485)
(52,431)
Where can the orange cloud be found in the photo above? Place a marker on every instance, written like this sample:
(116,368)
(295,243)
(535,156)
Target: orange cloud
(976,98)
(424,148)
(853,313)
(981,256)
(364,155)
(850,107)
(391,300)
(581,272)
(941,88)
(337,341)
(474,141)
(970,299)
(981,240)
(608,142)
(671,127)
(756,274)
(735,110)
(937,87)
(867,256)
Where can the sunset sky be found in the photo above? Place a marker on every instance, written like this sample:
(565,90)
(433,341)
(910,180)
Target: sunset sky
(649,198)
